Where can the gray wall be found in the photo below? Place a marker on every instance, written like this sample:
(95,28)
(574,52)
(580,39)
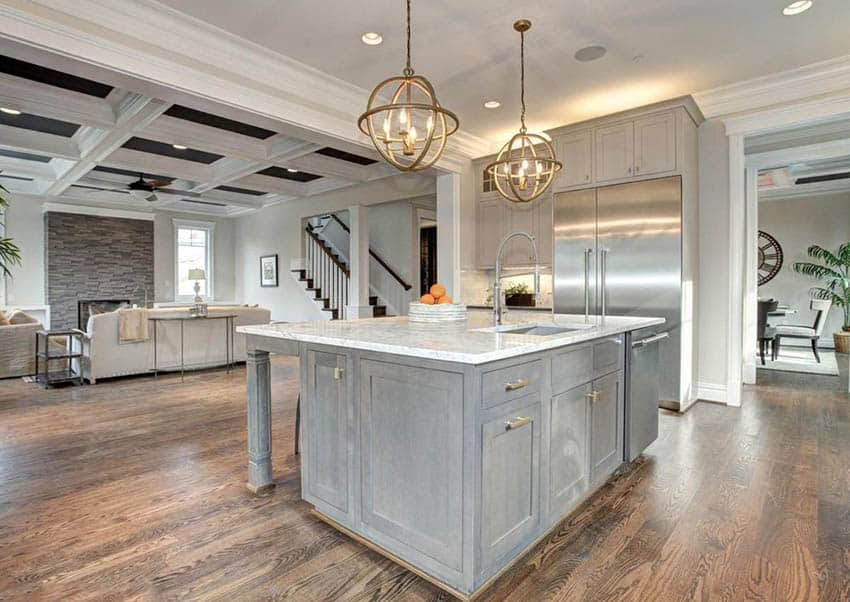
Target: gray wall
(89,257)
(25,223)
(797,223)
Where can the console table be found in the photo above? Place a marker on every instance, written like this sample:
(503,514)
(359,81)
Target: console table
(228,337)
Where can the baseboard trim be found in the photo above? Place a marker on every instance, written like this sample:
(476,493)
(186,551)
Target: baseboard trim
(711,392)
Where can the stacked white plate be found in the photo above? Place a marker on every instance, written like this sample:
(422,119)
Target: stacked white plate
(447,312)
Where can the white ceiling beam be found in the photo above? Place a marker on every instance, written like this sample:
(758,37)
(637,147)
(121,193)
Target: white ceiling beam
(133,160)
(271,184)
(327,166)
(56,103)
(326,185)
(172,130)
(37,143)
(133,113)
(805,190)
(800,154)
(11,166)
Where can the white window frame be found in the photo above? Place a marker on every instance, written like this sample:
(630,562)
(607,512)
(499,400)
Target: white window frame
(210,230)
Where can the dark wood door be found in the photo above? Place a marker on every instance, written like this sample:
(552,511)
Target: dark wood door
(427,258)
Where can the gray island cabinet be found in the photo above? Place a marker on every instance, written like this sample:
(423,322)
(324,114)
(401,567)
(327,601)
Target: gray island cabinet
(450,466)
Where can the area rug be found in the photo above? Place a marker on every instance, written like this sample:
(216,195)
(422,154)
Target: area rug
(801,359)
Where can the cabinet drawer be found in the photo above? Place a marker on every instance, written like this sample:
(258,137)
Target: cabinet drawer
(608,356)
(511,382)
(571,367)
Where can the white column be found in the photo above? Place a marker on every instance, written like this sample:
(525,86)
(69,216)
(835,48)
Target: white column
(750,325)
(358,255)
(448,233)
(737,223)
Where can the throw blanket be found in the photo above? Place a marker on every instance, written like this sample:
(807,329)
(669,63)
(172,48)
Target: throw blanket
(132,325)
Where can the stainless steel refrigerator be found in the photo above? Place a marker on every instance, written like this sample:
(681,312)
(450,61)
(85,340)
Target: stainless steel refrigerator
(618,252)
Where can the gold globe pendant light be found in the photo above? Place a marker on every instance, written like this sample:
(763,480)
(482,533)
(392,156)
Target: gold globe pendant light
(526,165)
(411,128)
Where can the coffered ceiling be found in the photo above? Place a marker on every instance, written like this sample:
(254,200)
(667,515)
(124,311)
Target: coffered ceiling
(656,49)
(83,138)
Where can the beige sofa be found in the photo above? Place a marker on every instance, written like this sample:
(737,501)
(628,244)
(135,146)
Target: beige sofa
(204,342)
(17,349)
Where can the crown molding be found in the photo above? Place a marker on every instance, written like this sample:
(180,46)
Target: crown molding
(152,41)
(813,190)
(817,79)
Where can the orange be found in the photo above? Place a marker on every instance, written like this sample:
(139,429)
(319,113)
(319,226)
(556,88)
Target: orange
(427,299)
(444,300)
(438,290)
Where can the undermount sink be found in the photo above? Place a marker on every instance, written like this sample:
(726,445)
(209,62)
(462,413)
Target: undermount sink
(538,330)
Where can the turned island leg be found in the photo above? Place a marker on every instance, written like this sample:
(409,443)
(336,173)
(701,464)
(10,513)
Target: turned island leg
(259,422)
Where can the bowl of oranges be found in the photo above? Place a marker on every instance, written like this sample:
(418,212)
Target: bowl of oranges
(436,306)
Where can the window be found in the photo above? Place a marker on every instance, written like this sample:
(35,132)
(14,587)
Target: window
(193,242)
(488,182)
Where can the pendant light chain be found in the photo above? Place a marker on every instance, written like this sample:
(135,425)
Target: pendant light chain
(408,70)
(522,79)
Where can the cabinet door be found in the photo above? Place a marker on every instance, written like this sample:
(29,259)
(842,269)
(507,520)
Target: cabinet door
(510,495)
(655,144)
(492,227)
(326,420)
(544,229)
(412,459)
(568,464)
(615,152)
(521,218)
(575,152)
(606,427)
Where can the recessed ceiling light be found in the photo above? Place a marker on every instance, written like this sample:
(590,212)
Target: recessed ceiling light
(795,8)
(179,146)
(10,111)
(290,170)
(372,38)
(590,53)
(492,104)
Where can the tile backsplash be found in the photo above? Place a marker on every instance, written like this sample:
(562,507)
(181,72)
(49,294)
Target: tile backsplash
(476,285)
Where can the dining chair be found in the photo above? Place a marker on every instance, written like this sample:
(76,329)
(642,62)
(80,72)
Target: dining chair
(813,333)
(765,333)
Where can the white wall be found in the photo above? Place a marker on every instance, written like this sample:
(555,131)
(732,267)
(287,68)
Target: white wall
(797,223)
(223,258)
(713,303)
(278,229)
(25,224)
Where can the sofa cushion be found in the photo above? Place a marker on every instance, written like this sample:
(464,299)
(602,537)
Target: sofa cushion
(4,321)
(20,317)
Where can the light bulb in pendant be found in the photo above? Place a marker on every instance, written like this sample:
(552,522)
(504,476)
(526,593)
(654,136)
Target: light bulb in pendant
(430,125)
(387,128)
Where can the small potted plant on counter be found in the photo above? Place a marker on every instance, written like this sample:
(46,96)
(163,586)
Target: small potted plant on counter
(833,270)
(517,295)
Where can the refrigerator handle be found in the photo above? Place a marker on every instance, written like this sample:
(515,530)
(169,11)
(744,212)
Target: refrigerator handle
(587,254)
(603,268)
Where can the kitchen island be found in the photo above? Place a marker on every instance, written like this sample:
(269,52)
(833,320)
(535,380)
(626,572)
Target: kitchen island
(451,448)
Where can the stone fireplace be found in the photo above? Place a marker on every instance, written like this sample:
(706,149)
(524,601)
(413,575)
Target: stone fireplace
(92,258)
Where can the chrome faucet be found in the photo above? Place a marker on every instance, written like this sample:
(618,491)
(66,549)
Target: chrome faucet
(497,286)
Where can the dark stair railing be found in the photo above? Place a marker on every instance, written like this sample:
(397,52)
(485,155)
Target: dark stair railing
(376,257)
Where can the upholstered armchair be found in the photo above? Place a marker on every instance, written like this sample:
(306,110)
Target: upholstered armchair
(17,346)
(812,333)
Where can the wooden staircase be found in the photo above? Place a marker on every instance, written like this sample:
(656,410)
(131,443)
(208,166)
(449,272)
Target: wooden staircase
(325,257)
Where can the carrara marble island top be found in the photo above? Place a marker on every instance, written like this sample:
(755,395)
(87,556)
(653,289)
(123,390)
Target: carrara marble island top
(462,342)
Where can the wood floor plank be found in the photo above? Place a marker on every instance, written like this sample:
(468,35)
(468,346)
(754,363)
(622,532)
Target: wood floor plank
(133,489)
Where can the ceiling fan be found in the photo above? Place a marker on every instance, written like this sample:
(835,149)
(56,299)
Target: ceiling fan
(147,189)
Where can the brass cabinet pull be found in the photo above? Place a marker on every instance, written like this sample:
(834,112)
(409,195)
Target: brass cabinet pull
(338,372)
(517,384)
(517,422)
(593,396)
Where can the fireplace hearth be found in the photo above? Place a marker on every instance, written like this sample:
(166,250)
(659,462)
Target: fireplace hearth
(86,307)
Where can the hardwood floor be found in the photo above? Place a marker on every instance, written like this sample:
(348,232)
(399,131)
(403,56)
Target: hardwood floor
(134,489)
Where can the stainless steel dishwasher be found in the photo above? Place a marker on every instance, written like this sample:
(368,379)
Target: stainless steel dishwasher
(642,389)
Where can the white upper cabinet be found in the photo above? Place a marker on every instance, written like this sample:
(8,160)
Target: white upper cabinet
(655,144)
(491,229)
(544,228)
(575,152)
(615,146)
(522,218)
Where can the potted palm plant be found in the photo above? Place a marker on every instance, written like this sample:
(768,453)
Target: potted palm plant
(10,253)
(833,270)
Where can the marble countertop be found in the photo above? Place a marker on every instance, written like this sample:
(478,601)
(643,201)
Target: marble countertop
(461,342)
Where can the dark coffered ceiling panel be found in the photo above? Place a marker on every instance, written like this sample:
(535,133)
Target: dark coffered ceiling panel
(40,124)
(51,77)
(167,150)
(285,174)
(24,156)
(221,123)
(335,153)
(238,190)
(131,174)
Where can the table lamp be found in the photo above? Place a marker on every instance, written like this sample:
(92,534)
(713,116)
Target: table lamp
(197,274)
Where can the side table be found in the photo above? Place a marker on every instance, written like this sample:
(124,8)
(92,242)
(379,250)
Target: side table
(44,355)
